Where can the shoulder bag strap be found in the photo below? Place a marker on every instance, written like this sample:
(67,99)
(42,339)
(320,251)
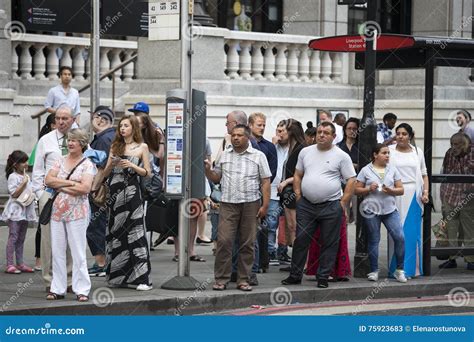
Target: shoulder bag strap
(75,167)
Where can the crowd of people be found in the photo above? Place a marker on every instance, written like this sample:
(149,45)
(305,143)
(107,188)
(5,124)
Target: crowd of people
(297,191)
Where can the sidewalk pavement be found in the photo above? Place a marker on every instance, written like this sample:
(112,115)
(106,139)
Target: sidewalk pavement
(24,294)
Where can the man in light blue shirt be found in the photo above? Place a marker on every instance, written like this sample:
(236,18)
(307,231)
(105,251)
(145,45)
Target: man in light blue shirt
(64,94)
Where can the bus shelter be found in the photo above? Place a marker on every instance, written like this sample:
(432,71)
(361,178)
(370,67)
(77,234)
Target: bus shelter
(414,52)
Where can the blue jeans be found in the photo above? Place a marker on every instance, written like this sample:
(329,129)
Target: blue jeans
(271,220)
(214,217)
(394,227)
(97,229)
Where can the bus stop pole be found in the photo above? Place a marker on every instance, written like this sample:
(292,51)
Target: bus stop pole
(367,135)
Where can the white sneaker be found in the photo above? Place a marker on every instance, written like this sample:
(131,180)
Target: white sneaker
(144,287)
(400,276)
(373,276)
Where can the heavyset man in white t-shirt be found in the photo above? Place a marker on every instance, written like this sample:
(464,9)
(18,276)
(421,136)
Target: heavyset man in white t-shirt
(317,186)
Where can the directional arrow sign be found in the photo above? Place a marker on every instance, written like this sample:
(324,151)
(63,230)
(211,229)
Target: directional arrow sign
(356,43)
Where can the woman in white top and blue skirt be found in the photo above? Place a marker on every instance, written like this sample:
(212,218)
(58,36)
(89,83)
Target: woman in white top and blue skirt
(410,162)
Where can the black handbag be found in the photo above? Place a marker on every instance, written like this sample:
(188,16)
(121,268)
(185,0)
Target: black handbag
(288,197)
(45,215)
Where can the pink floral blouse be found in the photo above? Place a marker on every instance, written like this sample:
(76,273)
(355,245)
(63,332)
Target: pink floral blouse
(67,207)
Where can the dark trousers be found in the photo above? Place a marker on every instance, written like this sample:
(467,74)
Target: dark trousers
(96,229)
(309,216)
(38,242)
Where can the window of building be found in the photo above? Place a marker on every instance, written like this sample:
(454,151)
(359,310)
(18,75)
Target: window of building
(250,15)
(394,16)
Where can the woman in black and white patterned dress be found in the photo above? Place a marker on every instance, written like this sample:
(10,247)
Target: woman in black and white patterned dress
(128,258)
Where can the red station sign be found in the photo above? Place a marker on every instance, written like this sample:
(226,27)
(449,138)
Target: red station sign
(357,43)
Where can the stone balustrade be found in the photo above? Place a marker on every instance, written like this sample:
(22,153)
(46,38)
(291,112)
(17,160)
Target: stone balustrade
(277,58)
(39,57)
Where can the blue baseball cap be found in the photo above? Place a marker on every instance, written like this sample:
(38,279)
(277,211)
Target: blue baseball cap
(140,107)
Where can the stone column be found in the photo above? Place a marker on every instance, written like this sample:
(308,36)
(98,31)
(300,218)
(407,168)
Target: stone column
(5,43)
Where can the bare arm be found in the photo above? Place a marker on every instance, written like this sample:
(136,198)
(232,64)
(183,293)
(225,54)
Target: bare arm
(54,182)
(211,174)
(297,177)
(348,191)
(426,190)
(265,188)
(21,187)
(362,190)
(397,190)
(80,188)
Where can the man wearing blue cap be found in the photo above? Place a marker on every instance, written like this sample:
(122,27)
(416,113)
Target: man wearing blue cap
(142,107)
(102,124)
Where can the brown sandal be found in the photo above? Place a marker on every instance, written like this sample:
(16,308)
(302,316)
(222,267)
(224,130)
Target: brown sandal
(244,287)
(54,296)
(82,298)
(219,287)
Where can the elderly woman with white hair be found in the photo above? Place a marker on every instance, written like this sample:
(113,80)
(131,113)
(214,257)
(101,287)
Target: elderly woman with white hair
(72,177)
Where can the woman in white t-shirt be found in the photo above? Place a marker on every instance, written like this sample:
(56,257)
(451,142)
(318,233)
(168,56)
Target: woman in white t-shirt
(410,162)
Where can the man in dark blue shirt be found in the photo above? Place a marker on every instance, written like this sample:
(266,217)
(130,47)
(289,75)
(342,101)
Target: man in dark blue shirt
(102,124)
(257,123)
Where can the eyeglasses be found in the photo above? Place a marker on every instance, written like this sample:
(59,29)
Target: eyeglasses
(229,122)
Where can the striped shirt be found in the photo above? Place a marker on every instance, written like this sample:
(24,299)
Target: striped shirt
(242,174)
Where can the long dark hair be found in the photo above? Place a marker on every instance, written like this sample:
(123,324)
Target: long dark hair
(295,133)
(150,135)
(357,122)
(50,119)
(14,158)
(118,145)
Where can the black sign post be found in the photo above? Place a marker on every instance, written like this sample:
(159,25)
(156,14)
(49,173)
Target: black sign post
(367,135)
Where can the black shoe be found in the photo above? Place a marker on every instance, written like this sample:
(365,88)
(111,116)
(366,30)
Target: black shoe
(323,283)
(233,277)
(284,259)
(291,281)
(285,269)
(253,279)
(448,264)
